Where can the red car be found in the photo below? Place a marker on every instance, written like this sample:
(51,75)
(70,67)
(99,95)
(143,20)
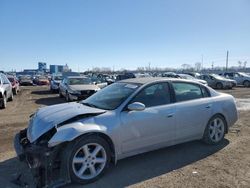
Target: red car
(15,84)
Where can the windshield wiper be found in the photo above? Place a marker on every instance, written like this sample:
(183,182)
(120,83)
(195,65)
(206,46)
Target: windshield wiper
(90,105)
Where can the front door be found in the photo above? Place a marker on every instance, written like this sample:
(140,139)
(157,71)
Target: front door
(152,126)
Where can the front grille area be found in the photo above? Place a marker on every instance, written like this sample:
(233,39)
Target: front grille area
(87,92)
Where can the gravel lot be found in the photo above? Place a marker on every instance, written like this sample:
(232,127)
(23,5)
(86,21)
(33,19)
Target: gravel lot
(192,164)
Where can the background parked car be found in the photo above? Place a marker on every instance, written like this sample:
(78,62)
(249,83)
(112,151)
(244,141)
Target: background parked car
(55,82)
(25,80)
(240,77)
(41,80)
(170,75)
(125,76)
(106,78)
(77,88)
(218,82)
(15,84)
(189,77)
(100,82)
(5,90)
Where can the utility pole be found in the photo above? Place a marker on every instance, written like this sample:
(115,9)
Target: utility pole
(201,61)
(227,61)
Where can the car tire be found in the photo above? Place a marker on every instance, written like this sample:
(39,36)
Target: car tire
(15,91)
(11,96)
(215,130)
(60,94)
(83,154)
(246,83)
(67,97)
(219,85)
(4,102)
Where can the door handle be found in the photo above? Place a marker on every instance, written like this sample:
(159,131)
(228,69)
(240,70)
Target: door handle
(170,115)
(208,106)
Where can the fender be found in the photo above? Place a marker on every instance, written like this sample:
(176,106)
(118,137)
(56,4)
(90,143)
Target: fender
(73,130)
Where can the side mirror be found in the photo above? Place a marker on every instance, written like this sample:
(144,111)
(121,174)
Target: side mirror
(136,106)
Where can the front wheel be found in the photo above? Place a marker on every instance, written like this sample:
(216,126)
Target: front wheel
(219,86)
(89,159)
(246,83)
(215,130)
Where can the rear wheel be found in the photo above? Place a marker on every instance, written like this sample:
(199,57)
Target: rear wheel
(219,86)
(11,97)
(215,130)
(60,94)
(246,83)
(90,157)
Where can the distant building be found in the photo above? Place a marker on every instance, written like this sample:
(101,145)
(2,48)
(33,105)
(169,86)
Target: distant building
(42,66)
(55,69)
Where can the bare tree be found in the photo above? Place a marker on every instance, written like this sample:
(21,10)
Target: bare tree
(198,66)
(240,63)
(245,64)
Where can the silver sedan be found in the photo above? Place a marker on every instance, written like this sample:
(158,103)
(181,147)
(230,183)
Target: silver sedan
(124,119)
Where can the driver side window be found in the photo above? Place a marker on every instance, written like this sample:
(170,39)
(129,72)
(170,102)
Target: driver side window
(154,95)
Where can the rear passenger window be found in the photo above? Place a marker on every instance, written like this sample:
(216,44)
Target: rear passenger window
(205,92)
(186,91)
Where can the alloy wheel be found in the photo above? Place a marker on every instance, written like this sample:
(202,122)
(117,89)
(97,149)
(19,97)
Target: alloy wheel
(216,130)
(89,161)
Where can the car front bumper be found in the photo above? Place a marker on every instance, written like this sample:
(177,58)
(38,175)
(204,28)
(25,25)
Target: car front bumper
(39,158)
(82,96)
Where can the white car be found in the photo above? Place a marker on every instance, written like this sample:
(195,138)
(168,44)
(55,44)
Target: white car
(5,91)
(77,88)
(189,77)
(124,119)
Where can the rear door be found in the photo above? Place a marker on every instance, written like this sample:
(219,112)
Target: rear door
(193,110)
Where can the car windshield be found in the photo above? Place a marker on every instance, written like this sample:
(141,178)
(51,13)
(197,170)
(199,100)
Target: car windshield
(111,96)
(79,81)
(217,76)
(58,78)
(42,78)
(11,79)
(186,76)
(243,74)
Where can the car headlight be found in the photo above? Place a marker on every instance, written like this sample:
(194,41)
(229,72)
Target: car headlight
(97,89)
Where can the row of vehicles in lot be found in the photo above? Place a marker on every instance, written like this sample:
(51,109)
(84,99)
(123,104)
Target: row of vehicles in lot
(77,87)
(81,87)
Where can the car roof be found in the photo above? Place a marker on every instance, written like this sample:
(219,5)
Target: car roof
(147,80)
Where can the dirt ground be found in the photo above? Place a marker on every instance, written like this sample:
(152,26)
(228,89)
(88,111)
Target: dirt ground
(192,164)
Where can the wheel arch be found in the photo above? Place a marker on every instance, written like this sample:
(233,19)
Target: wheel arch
(70,134)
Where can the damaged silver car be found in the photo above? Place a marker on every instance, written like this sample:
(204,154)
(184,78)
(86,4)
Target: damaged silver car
(81,139)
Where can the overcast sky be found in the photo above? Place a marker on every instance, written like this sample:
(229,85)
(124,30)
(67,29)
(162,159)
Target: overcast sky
(123,33)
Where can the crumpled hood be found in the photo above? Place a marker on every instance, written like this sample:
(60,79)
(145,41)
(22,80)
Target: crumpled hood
(47,117)
(84,87)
